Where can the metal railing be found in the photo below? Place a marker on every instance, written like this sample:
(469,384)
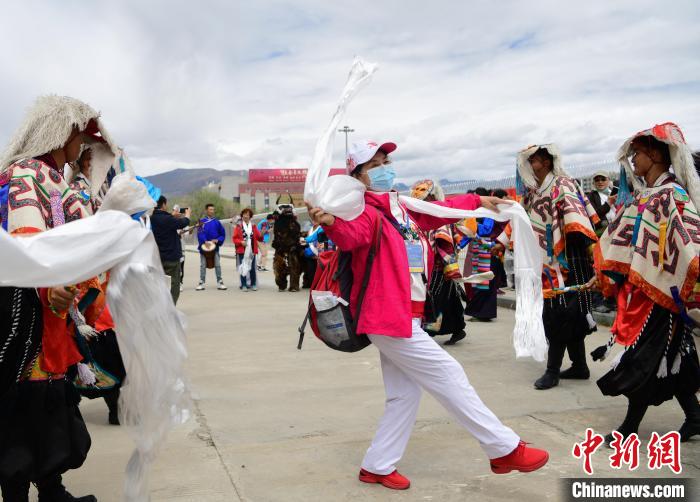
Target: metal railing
(575,171)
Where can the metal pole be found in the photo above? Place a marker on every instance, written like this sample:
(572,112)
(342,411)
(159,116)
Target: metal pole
(346,130)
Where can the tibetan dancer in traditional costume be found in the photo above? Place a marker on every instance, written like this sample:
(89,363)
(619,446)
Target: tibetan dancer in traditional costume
(482,302)
(100,349)
(500,278)
(42,434)
(648,258)
(564,220)
(444,311)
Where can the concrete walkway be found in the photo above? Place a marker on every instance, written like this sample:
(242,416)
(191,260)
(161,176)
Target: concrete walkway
(276,424)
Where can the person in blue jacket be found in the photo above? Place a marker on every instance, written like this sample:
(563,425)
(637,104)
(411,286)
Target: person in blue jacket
(210,231)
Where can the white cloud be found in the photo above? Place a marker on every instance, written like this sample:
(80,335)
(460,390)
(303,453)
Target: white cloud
(461,87)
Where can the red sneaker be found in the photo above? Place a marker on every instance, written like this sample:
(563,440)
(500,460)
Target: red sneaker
(523,459)
(395,481)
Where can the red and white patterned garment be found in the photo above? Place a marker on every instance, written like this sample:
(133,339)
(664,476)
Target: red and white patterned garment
(40,199)
(556,209)
(652,246)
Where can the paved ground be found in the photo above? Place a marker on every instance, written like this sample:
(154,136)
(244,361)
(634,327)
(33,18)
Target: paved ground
(277,424)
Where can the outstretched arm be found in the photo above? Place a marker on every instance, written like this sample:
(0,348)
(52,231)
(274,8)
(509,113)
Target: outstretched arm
(468,201)
(348,235)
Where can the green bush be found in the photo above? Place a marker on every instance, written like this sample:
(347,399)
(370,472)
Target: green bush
(197,200)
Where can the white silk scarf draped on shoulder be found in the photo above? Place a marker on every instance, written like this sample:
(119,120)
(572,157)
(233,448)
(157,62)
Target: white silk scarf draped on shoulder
(343,196)
(150,330)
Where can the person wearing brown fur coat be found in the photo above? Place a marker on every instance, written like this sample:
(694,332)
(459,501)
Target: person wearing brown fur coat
(287,261)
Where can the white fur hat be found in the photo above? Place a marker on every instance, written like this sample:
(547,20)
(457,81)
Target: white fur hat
(48,125)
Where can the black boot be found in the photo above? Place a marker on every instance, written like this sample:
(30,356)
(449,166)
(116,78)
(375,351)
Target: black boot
(460,335)
(579,367)
(547,381)
(112,400)
(52,490)
(575,373)
(15,491)
(555,355)
(630,425)
(691,407)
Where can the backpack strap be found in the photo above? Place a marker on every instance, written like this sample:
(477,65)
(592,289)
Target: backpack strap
(373,252)
(302,328)
(394,224)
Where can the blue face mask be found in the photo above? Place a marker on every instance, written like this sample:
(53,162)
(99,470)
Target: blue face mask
(381,178)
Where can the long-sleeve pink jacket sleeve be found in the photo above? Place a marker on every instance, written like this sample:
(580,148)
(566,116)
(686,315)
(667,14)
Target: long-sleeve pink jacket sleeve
(427,222)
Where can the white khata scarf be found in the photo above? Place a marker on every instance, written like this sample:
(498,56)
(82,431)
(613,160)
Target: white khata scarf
(247,262)
(343,196)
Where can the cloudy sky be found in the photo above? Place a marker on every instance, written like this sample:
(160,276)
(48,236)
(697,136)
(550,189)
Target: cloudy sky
(462,85)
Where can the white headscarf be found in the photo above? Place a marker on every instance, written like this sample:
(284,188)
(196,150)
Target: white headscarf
(525,173)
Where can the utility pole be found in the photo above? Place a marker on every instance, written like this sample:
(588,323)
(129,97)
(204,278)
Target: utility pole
(347,131)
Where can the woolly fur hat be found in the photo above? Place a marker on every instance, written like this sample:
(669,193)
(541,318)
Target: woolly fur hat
(48,125)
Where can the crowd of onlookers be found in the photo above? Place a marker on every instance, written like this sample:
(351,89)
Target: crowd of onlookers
(296,248)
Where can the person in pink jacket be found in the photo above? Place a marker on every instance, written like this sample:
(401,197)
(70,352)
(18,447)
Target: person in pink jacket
(391,316)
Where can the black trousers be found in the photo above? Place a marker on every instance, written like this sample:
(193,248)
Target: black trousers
(557,349)
(565,316)
(309,266)
(15,491)
(565,327)
(18,491)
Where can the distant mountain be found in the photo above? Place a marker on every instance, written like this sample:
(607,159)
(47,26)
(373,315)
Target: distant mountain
(184,181)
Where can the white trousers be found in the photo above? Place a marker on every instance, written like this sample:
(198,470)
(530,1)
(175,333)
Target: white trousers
(410,365)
